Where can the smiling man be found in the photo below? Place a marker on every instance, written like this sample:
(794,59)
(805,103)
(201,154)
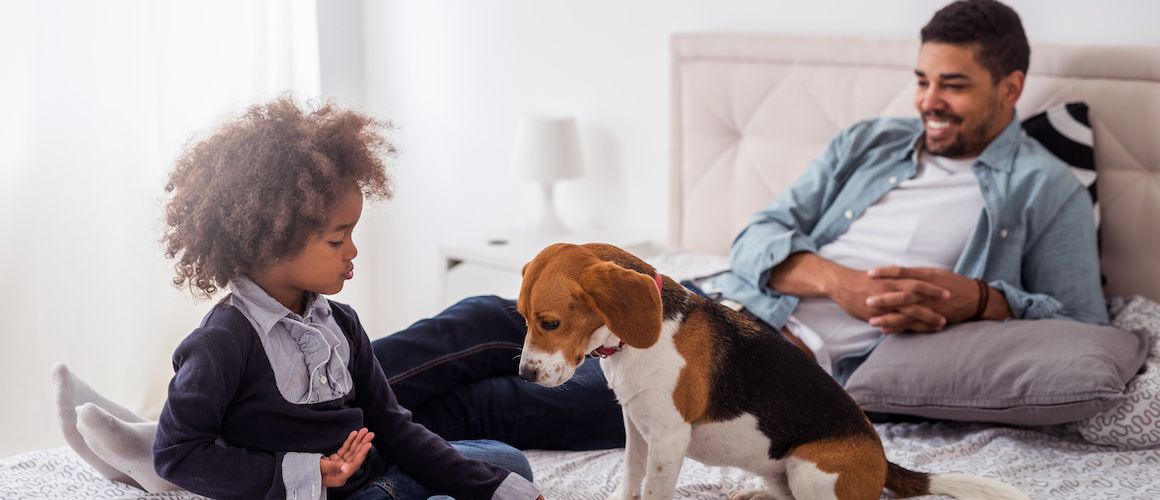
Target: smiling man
(963,105)
(910,225)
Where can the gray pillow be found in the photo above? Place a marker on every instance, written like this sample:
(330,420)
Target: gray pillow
(1023,372)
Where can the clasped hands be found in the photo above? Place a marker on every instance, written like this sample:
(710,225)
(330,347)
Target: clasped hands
(908,299)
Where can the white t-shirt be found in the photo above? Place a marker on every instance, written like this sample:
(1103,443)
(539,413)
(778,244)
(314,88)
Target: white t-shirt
(924,222)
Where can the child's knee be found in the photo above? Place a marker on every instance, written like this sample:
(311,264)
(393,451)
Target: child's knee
(496,453)
(515,461)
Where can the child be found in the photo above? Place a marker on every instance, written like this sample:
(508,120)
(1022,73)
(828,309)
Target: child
(278,394)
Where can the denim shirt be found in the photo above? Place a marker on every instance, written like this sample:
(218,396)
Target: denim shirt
(1035,240)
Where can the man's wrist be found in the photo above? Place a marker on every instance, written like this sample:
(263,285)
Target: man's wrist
(997,308)
(830,277)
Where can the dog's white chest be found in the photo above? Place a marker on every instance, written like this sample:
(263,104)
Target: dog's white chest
(650,372)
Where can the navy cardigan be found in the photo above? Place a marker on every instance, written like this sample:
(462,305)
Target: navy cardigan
(226,426)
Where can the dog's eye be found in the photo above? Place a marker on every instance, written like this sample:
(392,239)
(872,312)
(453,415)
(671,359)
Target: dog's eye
(549,324)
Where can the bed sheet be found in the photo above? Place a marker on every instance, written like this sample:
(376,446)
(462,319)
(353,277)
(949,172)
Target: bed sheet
(1047,463)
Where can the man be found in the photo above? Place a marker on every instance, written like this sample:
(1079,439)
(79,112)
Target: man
(910,225)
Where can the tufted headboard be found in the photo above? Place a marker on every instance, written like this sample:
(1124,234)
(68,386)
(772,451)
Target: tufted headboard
(750,111)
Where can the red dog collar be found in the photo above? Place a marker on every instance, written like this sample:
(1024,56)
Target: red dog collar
(606,351)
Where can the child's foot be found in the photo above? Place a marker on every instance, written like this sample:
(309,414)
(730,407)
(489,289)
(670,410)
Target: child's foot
(127,446)
(70,393)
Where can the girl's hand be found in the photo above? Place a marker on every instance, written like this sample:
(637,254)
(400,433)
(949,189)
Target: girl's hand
(338,467)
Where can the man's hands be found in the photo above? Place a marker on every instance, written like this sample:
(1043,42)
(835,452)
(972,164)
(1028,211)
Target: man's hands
(893,305)
(894,299)
(958,306)
(337,468)
(806,274)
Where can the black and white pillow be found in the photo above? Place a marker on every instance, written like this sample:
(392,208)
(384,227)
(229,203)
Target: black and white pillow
(1064,129)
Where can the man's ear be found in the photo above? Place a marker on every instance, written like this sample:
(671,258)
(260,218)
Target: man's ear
(627,301)
(1011,87)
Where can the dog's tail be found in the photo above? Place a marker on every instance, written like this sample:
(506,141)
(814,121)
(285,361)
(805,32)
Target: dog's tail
(907,483)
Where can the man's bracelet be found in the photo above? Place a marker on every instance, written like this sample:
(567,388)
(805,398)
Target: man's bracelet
(984,295)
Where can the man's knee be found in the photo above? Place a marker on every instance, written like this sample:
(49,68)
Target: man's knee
(478,314)
(485,312)
(483,306)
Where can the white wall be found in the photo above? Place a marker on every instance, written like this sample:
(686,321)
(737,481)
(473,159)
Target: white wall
(99,100)
(454,76)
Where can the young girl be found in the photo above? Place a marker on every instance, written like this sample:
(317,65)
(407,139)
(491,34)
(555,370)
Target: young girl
(278,394)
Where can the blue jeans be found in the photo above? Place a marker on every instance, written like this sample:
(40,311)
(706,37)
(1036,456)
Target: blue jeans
(457,373)
(397,485)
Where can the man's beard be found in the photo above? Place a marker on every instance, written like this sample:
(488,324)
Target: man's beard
(965,142)
(956,148)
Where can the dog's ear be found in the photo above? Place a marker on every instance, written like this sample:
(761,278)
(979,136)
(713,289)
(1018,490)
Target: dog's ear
(627,301)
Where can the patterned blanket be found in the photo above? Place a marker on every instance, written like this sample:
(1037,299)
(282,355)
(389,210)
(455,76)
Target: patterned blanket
(1046,463)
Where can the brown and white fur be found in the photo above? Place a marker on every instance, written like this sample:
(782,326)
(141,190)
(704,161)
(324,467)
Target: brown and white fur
(698,379)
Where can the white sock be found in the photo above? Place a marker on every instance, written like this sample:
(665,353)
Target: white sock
(127,446)
(72,392)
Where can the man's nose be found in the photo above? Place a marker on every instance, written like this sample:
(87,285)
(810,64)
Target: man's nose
(931,100)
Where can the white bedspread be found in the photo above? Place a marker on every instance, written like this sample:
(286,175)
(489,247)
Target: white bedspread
(1046,463)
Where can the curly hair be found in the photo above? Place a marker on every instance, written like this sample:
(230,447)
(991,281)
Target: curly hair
(261,185)
(994,28)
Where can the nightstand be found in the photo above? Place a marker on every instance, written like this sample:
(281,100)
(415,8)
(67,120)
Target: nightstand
(492,266)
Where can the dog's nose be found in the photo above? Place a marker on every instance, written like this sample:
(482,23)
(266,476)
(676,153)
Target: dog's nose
(528,373)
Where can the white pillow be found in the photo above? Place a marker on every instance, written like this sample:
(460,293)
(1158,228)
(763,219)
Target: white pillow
(1134,422)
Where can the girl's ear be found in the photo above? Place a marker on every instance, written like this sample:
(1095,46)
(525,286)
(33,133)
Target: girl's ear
(627,301)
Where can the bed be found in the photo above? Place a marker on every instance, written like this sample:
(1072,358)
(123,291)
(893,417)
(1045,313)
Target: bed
(749,112)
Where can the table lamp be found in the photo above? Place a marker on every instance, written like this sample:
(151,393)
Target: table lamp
(547,150)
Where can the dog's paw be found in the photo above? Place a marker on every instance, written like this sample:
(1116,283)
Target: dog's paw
(620,494)
(754,494)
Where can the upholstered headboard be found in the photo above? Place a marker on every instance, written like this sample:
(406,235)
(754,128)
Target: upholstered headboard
(750,111)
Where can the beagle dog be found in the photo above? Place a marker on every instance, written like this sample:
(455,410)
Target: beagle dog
(698,379)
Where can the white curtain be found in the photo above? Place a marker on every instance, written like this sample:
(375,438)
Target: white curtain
(98,100)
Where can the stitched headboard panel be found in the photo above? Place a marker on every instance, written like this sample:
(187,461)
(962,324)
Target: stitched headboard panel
(750,111)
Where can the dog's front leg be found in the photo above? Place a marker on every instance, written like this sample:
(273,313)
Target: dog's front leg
(668,441)
(635,457)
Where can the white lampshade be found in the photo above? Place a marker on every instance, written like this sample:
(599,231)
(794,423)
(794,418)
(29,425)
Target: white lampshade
(547,149)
